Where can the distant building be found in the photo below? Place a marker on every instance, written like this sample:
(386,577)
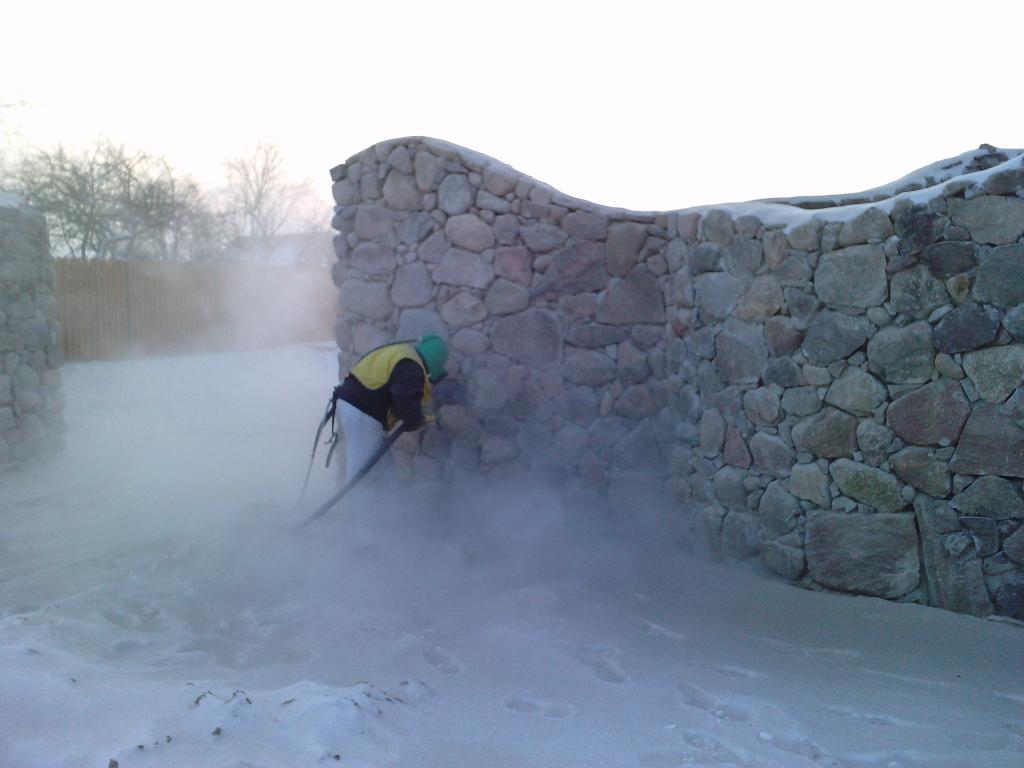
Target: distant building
(304,248)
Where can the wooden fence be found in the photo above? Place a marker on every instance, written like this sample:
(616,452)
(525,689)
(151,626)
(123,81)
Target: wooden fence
(114,309)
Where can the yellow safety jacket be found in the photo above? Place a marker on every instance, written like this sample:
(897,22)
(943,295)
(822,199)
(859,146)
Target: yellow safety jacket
(390,384)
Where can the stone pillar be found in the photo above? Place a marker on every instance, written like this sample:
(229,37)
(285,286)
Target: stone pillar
(31,400)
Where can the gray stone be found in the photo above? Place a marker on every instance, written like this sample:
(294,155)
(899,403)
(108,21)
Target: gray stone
(778,510)
(1014,546)
(1005,182)
(947,366)
(916,292)
(967,327)
(596,335)
(10,342)
(588,368)
(543,238)
(718,227)
(857,392)
(1000,279)
(414,323)
(829,434)
(930,415)
(489,202)
(983,531)
(459,421)
(515,264)
(865,554)
(434,247)
(990,496)
(743,256)
(805,236)
(735,451)
(808,482)
(633,366)
(771,455)
(712,433)
(990,444)
(635,299)
(740,538)
(716,294)
(455,195)
(955,581)
(638,449)
(568,445)
(920,468)
(872,226)
(372,222)
(762,407)
(762,299)
(782,560)
(706,257)
(533,337)
(990,220)
(577,404)
(585,225)
(499,180)
(1013,322)
(415,227)
(782,335)
(996,371)
(459,267)
(576,268)
(868,485)
(639,401)
(729,489)
(852,277)
(506,229)
(624,242)
(505,297)
(469,342)
(427,171)
(833,336)
(463,309)
(491,393)
(495,449)
(468,231)
(741,353)
(400,192)
(413,285)
(949,258)
(374,259)
(1009,597)
(783,372)
(367,299)
(916,227)
(903,355)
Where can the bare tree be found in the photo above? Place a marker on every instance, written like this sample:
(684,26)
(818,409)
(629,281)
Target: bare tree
(110,203)
(260,197)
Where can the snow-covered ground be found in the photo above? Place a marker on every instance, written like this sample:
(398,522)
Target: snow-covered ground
(156,610)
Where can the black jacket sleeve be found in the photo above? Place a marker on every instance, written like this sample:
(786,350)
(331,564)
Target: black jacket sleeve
(406,387)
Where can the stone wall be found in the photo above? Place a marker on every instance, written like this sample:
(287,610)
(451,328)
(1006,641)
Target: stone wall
(31,400)
(827,384)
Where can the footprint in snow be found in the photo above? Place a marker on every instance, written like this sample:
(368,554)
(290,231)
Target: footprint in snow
(695,697)
(664,759)
(531,706)
(603,662)
(806,748)
(442,661)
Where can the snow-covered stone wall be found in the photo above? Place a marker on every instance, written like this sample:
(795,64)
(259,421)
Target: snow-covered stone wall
(31,399)
(828,384)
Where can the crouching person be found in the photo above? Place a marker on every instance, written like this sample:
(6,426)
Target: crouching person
(388,385)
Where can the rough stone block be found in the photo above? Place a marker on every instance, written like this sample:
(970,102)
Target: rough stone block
(866,554)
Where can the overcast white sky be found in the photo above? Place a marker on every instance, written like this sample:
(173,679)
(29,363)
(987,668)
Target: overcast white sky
(647,105)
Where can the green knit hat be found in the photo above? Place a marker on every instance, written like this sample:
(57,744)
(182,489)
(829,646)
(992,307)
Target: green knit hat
(434,352)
